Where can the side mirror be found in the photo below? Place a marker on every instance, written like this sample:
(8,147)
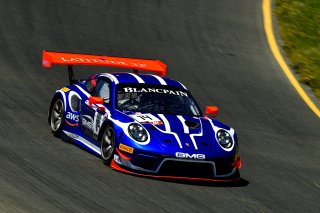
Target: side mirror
(95,100)
(211,111)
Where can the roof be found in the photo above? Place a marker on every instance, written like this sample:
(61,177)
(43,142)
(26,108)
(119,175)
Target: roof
(127,78)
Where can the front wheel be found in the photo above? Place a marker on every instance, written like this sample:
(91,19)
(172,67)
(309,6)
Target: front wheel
(107,144)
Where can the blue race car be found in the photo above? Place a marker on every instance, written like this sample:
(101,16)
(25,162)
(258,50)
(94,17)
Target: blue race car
(142,124)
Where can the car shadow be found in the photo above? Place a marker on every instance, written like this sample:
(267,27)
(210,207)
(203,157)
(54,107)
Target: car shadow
(239,183)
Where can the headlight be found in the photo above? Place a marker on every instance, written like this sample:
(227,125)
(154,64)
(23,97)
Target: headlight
(137,132)
(224,139)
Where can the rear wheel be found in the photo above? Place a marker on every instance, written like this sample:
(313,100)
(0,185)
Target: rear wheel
(56,116)
(107,144)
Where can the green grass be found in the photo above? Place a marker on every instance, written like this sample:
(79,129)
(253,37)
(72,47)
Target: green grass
(299,22)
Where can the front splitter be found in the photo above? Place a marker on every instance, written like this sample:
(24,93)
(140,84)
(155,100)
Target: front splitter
(115,166)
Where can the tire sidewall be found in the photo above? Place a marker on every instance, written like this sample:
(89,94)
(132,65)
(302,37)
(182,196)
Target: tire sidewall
(107,161)
(59,130)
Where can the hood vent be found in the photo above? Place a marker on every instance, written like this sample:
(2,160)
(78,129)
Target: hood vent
(192,124)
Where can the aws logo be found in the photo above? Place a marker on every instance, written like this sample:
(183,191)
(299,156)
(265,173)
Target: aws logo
(72,117)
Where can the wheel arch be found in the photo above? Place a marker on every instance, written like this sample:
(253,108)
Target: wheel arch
(103,127)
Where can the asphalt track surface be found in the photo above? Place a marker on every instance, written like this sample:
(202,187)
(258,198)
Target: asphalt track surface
(218,49)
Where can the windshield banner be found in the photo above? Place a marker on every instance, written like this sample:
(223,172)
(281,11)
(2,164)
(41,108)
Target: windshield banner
(155,90)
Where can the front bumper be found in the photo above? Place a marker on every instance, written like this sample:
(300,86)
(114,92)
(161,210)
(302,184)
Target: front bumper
(220,170)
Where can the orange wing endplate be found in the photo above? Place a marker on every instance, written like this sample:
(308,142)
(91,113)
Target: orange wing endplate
(50,58)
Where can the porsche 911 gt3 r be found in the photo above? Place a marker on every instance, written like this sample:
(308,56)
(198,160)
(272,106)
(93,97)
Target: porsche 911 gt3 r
(142,124)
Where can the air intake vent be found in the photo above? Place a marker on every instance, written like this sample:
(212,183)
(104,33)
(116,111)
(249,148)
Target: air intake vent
(192,125)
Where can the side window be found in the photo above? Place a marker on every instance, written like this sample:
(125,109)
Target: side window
(91,85)
(103,90)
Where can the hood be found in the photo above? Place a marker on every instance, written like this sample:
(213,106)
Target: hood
(182,135)
(178,132)
(170,123)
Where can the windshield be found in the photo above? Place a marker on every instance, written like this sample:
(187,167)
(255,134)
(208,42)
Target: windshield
(158,99)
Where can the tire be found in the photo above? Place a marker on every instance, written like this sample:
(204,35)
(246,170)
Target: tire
(107,145)
(56,116)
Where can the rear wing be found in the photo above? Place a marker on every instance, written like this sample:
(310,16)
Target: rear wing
(50,58)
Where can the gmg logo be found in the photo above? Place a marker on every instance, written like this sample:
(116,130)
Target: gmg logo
(190,156)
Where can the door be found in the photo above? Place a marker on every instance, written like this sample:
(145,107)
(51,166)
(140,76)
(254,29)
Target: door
(92,116)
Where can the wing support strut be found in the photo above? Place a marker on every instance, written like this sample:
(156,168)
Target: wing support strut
(71,74)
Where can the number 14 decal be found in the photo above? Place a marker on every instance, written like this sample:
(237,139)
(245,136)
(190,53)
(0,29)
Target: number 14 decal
(147,118)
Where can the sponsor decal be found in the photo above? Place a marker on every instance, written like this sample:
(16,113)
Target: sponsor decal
(94,124)
(190,156)
(146,118)
(65,89)
(71,124)
(87,121)
(72,116)
(155,90)
(156,122)
(126,148)
(104,60)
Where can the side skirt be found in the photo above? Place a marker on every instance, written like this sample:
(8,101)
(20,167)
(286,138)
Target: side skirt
(83,142)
